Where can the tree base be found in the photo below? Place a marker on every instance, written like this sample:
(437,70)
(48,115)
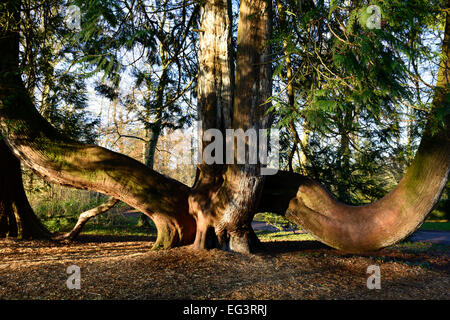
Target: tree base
(173,232)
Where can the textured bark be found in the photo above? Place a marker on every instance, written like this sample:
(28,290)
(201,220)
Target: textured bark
(215,107)
(91,167)
(17,218)
(224,198)
(241,190)
(86,216)
(66,162)
(369,227)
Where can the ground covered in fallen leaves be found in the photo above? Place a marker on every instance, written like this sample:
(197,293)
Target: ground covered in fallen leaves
(120,267)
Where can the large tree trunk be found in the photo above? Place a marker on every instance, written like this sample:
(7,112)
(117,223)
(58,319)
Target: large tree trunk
(215,107)
(388,220)
(224,198)
(17,218)
(242,187)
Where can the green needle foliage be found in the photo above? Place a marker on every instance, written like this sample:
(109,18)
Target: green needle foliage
(59,92)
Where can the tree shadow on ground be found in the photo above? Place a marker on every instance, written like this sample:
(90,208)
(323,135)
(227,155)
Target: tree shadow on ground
(425,260)
(277,247)
(85,238)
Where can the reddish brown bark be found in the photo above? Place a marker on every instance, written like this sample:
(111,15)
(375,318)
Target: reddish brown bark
(215,107)
(224,198)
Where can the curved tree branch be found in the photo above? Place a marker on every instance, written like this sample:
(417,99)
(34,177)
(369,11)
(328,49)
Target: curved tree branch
(369,227)
(388,220)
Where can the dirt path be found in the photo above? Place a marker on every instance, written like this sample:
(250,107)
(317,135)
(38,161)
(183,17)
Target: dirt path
(259,225)
(441,237)
(125,268)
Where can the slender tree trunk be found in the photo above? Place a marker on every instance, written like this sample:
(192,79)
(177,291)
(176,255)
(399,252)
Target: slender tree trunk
(291,157)
(149,160)
(304,147)
(344,157)
(410,134)
(17,218)
(290,82)
(153,133)
(86,216)
(150,147)
(301,143)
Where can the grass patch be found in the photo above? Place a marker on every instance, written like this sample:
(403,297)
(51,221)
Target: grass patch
(421,247)
(283,236)
(280,222)
(110,223)
(115,231)
(406,246)
(442,226)
(274,220)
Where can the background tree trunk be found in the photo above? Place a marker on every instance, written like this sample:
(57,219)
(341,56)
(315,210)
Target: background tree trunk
(153,132)
(85,217)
